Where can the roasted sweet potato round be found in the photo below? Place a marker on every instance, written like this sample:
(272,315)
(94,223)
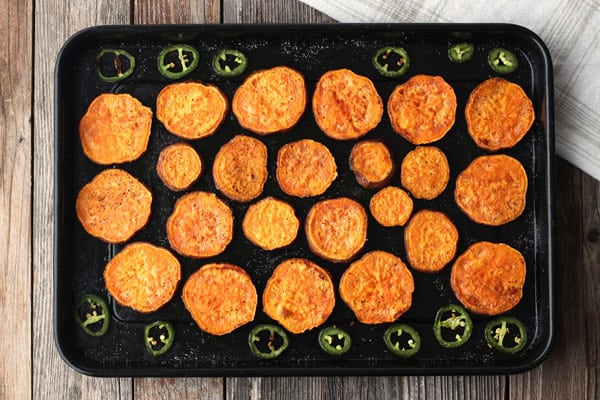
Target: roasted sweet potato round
(378,287)
(191,110)
(299,295)
(492,190)
(422,109)
(115,129)
(391,206)
(336,229)
(488,278)
(372,164)
(425,172)
(220,297)
(113,206)
(498,114)
(305,168)
(201,225)
(179,166)
(346,105)
(240,168)
(270,224)
(270,100)
(142,276)
(430,240)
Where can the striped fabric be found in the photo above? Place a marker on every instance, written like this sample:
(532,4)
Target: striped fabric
(570,29)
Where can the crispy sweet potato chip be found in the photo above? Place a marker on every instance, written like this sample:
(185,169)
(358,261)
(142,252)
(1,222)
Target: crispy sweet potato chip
(191,110)
(299,295)
(142,276)
(115,129)
(378,287)
(113,206)
(220,297)
(488,278)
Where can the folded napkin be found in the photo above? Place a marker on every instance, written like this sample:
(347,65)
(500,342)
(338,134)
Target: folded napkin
(570,29)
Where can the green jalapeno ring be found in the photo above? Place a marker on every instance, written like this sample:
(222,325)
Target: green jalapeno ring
(335,341)
(413,344)
(161,344)
(96,312)
(497,330)
(502,61)
(224,58)
(391,61)
(117,63)
(182,52)
(459,319)
(273,331)
(461,52)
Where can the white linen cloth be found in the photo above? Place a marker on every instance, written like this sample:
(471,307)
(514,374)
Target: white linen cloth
(570,29)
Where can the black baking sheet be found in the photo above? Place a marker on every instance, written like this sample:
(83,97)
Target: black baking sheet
(312,50)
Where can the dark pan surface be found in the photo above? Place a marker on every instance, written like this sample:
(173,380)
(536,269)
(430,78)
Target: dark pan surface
(313,50)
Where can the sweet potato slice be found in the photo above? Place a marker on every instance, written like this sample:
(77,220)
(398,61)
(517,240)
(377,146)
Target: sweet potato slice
(391,206)
(346,105)
(305,168)
(191,110)
(220,297)
(200,226)
(142,276)
(422,109)
(115,129)
(240,168)
(430,240)
(113,206)
(299,295)
(492,190)
(488,278)
(336,229)
(378,287)
(270,100)
(270,224)
(179,166)
(425,172)
(498,114)
(372,164)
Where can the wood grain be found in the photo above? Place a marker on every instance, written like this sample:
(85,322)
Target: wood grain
(55,22)
(15,188)
(32,368)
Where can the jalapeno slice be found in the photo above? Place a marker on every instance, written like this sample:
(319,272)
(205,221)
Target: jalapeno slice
(452,326)
(391,61)
(461,52)
(177,60)
(402,340)
(267,341)
(229,62)
(502,61)
(335,341)
(506,334)
(92,315)
(159,337)
(114,65)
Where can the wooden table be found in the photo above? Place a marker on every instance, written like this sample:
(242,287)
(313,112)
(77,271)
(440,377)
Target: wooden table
(30,367)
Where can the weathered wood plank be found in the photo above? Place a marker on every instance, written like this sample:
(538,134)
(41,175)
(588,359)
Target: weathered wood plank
(15,190)
(55,22)
(177,12)
(564,375)
(289,11)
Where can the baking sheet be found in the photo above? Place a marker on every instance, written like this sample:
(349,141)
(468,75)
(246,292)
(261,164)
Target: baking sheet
(313,50)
